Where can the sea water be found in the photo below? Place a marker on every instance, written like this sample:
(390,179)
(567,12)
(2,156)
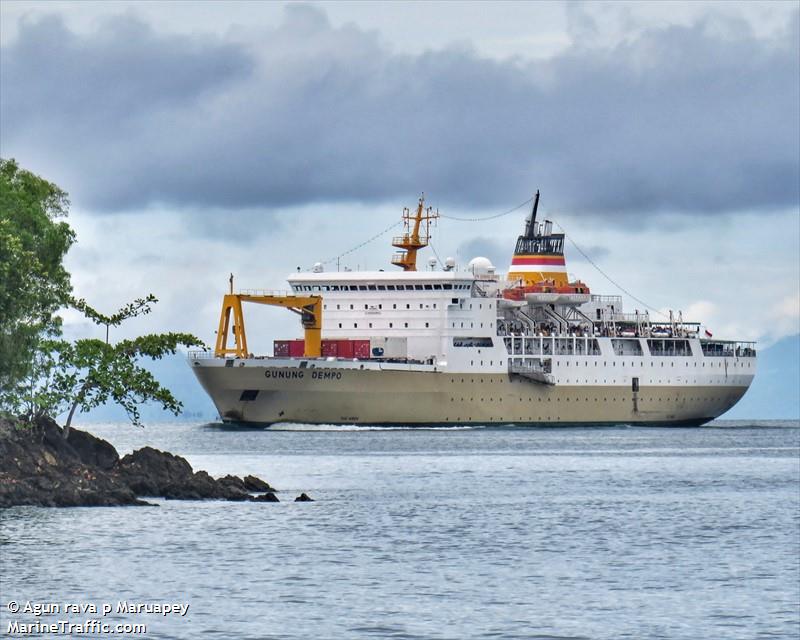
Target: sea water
(434,533)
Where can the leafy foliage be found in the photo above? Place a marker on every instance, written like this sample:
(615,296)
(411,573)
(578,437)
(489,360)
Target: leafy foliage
(139,307)
(41,374)
(33,280)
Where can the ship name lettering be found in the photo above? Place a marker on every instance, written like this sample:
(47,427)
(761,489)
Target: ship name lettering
(286,375)
(326,375)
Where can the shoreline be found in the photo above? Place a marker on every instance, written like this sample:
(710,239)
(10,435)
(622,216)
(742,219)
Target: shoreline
(39,467)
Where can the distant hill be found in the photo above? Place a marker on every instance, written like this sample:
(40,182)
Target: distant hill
(774,395)
(174,373)
(775,392)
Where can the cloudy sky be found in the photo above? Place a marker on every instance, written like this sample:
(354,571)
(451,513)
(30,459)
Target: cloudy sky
(199,139)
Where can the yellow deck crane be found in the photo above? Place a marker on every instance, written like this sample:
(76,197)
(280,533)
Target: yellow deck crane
(309,308)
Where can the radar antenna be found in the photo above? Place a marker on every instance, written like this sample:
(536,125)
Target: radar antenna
(415,237)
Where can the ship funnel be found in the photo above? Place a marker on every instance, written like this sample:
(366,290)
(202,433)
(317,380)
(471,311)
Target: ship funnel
(539,254)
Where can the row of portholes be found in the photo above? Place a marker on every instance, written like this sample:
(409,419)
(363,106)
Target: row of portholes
(605,399)
(558,362)
(391,325)
(380,306)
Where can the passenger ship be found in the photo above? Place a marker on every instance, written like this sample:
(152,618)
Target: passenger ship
(465,346)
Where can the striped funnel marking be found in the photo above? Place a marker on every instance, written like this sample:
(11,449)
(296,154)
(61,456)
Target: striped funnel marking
(532,269)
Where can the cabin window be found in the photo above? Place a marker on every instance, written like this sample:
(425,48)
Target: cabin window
(371,287)
(626,347)
(390,287)
(468,341)
(355,325)
(381,287)
(248,395)
(437,287)
(669,347)
(362,287)
(428,287)
(447,287)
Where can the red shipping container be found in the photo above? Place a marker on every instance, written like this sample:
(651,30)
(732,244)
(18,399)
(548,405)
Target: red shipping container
(330,348)
(345,348)
(361,349)
(280,348)
(297,348)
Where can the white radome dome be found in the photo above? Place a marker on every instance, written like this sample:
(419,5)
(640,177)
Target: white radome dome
(481,266)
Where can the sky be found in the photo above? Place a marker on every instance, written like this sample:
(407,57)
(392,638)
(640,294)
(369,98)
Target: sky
(202,139)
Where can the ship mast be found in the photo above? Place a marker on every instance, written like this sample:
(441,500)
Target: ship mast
(415,237)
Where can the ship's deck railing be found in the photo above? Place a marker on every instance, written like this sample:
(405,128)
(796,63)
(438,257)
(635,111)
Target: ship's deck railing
(521,345)
(728,348)
(614,299)
(270,292)
(196,354)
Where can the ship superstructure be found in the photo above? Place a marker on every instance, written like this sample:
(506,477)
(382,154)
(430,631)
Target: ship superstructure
(468,346)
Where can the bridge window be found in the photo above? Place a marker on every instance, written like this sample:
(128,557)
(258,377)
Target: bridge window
(626,347)
(669,347)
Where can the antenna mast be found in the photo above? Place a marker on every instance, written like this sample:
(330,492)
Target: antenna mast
(416,236)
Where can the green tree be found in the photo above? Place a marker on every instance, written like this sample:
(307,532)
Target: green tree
(41,374)
(33,281)
(81,375)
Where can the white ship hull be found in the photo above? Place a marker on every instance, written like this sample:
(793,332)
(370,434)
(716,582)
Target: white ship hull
(266,391)
(467,346)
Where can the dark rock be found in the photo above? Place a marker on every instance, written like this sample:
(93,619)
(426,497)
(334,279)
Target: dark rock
(257,485)
(93,451)
(303,498)
(233,481)
(149,471)
(38,466)
(266,497)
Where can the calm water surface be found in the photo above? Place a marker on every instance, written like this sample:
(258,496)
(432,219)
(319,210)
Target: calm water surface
(442,533)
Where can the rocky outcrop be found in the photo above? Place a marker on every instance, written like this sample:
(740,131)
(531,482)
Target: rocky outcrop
(39,467)
(303,498)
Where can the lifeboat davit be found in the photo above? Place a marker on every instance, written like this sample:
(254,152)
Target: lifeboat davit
(548,291)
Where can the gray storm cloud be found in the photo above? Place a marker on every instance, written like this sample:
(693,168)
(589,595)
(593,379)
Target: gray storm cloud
(701,118)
